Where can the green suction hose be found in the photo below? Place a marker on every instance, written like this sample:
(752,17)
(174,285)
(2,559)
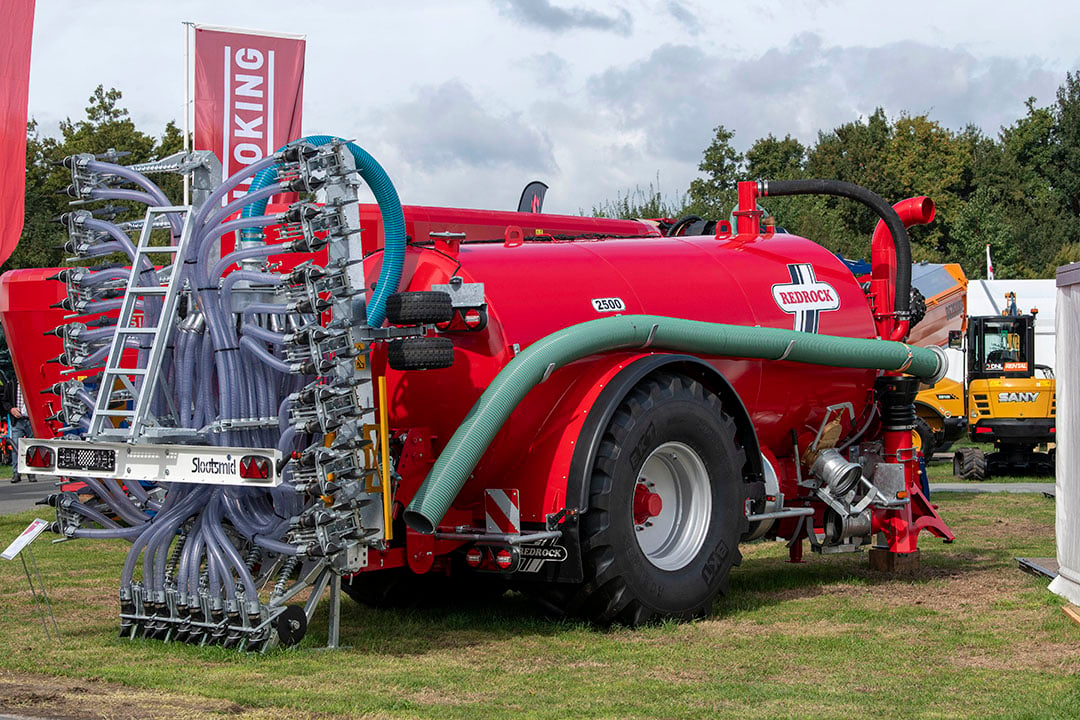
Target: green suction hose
(535,363)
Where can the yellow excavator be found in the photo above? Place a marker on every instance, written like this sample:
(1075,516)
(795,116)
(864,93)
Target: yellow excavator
(1010,401)
(1005,397)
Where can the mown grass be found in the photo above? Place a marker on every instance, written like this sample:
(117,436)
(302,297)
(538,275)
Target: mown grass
(968,635)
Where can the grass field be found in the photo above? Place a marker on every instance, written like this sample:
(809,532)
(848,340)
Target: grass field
(968,635)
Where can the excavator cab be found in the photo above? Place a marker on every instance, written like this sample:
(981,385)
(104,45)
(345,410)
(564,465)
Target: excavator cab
(1001,347)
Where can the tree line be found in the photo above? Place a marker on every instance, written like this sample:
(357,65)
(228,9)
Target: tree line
(107,126)
(1018,191)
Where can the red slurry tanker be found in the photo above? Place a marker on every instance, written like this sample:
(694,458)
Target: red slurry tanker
(595,411)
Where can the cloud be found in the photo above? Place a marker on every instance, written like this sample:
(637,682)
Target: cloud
(678,93)
(550,69)
(543,15)
(686,17)
(447,127)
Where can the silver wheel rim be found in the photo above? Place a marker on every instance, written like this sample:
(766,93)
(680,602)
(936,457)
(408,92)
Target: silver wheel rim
(671,539)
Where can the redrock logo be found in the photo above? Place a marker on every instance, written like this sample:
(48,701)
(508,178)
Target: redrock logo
(213,467)
(805,297)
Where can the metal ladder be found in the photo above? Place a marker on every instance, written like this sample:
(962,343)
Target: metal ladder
(122,382)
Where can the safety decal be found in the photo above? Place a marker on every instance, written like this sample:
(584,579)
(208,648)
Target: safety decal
(805,297)
(502,511)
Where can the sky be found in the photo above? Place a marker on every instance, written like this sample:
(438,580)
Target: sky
(465,101)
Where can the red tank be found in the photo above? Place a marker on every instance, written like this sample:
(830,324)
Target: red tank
(536,288)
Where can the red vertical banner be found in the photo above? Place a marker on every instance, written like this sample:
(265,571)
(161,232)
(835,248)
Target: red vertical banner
(249,89)
(14,90)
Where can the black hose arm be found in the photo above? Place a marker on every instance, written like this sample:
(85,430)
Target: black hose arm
(902,299)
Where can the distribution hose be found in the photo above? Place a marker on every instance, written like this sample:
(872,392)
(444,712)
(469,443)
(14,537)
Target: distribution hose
(389,205)
(529,368)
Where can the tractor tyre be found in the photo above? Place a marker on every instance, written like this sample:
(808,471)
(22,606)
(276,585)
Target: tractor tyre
(970,464)
(417,308)
(923,435)
(665,509)
(423,353)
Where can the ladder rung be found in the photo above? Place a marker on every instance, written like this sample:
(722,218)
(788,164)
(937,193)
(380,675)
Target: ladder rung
(117,371)
(118,413)
(138,331)
(149,249)
(150,290)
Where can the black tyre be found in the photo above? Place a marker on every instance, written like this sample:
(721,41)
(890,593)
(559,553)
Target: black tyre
(970,464)
(923,435)
(683,224)
(415,308)
(425,353)
(644,558)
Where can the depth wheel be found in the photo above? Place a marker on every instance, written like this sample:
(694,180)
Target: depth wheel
(970,464)
(417,308)
(665,509)
(423,353)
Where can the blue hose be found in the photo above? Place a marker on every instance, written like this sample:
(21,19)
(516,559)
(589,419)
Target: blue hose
(389,206)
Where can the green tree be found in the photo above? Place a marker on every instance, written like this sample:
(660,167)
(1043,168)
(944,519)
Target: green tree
(106,126)
(853,152)
(714,195)
(1065,151)
(772,159)
(924,158)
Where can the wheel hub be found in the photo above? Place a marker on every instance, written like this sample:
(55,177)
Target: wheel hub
(647,504)
(672,506)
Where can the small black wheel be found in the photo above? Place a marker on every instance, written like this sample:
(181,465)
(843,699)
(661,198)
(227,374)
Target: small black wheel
(416,308)
(291,625)
(923,437)
(970,464)
(665,510)
(424,353)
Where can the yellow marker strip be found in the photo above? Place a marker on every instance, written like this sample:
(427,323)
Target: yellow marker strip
(384,464)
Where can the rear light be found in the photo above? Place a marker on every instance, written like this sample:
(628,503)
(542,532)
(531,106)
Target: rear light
(901,495)
(504,559)
(983,430)
(474,557)
(39,456)
(255,467)
(473,319)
